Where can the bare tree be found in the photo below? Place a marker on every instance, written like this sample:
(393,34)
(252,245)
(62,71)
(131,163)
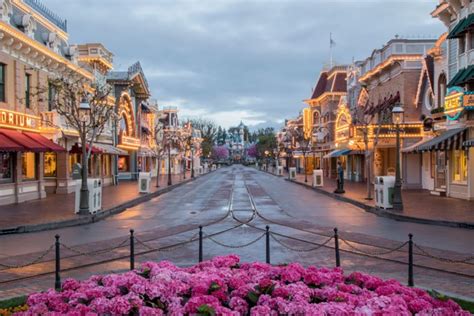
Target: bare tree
(87,110)
(303,143)
(159,148)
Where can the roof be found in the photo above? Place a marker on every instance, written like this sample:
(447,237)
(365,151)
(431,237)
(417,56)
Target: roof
(330,82)
(463,76)
(426,76)
(462,27)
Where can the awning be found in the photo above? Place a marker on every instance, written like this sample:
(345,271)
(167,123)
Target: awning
(45,142)
(449,140)
(463,76)
(462,27)
(337,153)
(146,152)
(411,148)
(24,141)
(468,143)
(6,144)
(110,149)
(77,149)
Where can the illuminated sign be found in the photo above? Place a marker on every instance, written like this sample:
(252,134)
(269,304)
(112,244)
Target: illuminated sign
(19,120)
(453,103)
(307,122)
(363,97)
(128,142)
(468,99)
(343,123)
(387,131)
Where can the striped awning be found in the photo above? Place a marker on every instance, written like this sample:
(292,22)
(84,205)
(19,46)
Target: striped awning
(449,140)
(338,152)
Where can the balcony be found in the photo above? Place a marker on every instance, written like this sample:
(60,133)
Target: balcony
(38,6)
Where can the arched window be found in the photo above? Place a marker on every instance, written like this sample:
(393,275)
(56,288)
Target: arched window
(441,89)
(316,118)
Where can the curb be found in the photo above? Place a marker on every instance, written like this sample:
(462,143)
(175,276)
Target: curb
(379,211)
(92,218)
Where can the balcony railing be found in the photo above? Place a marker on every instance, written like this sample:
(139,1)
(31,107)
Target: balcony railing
(38,6)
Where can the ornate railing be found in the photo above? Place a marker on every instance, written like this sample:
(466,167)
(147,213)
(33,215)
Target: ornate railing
(47,13)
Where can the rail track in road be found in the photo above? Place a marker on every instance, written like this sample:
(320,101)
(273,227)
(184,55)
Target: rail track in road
(242,217)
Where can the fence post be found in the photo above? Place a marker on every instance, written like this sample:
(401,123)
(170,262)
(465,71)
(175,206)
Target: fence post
(410,260)
(57,277)
(132,250)
(336,247)
(200,243)
(267,233)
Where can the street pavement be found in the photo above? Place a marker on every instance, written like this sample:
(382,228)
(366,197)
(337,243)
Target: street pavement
(243,201)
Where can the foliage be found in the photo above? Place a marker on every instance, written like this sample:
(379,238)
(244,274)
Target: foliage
(220,152)
(208,133)
(252,151)
(266,142)
(13,305)
(222,286)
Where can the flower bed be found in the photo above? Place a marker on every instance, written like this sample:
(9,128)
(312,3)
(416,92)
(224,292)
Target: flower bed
(223,286)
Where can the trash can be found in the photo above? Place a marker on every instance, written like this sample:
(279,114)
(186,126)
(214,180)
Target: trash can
(292,173)
(387,184)
(94,187)
(280,171)
(318,178)
(144,181)
(377,191)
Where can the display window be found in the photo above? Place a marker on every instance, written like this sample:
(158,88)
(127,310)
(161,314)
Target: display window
(123,164)
(28,166)
(459,166)
(73,159)
(6,167)
(106,165)
(50,165)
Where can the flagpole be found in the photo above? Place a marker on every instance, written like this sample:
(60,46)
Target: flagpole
(330,50)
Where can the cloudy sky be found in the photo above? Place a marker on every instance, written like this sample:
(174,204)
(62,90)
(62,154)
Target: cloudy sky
(232,60)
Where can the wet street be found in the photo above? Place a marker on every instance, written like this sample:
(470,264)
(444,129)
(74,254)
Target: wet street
(234,205)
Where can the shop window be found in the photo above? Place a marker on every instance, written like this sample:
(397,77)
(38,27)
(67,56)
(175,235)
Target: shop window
(51,96)
(28,166)
(462,44)
(106,163)
(433,163)
(6,167)
(123,164)
(50,165)
(73,159)
(2,82)
(459,166)
(28,91)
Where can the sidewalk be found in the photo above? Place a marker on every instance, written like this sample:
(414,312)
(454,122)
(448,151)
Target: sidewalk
(57,210)
(419,205)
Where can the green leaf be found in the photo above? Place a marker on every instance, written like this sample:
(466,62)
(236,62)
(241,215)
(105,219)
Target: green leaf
(252,297)
(206,310)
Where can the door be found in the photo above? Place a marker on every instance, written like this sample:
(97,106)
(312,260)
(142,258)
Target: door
(440,176)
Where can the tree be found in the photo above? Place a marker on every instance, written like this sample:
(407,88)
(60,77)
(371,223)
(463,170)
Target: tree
(302,143)
(266,142)
(86,110)
(159,147)
(208,133)
(220,152)
(172,140)
(252,151)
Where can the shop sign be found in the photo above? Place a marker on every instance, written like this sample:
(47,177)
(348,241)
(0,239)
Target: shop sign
(128,142)
(453,103)
(468,99)
(19,120)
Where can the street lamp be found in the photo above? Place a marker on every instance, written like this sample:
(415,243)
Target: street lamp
(84,114)
(397,118)
(192,161)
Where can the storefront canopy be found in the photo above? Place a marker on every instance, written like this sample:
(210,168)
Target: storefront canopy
(77,149)
(112,150)
(462,27)
(337,153)
(463,76)
(45,142)
(12,140)
(449,140)
(6,144)
(468,143)
(146,152)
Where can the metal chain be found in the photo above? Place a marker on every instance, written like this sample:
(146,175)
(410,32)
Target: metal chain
(300,250)
(168,248)
(95,252)
(373,253)
(29,263)
(426,253)
(235,246)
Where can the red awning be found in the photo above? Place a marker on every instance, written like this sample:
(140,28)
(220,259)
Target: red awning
(45,142)
(23,140)
(6,144)
(77,149)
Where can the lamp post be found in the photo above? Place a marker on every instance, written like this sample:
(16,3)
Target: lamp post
(192,161)
(84,113)
(397,118)
(169,163)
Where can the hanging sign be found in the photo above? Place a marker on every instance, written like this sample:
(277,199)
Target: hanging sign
(453,103)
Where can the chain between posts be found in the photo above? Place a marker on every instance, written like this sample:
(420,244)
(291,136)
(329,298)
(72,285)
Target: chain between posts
(272,235)
(36,260)
(95,252)
(374,253)
(426,253)
(235,246)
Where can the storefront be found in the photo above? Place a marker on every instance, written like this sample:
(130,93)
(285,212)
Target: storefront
(26,158)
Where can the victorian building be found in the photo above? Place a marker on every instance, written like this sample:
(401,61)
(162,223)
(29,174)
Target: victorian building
(34,146)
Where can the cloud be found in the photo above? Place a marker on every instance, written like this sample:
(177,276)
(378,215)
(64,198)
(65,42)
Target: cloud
(240,59)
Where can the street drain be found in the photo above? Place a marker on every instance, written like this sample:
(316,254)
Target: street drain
(193,212)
